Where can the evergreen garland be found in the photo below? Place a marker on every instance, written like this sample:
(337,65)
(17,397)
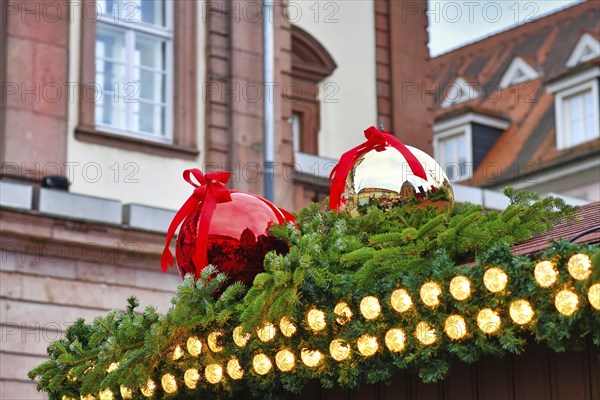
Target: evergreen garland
(337,257)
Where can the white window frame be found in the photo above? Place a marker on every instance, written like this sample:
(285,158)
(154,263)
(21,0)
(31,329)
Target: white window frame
(577,55)
(147,30)
(566,88)
(467,131)
(512,72)
(452,95)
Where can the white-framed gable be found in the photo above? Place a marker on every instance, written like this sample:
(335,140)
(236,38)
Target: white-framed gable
(459,91)
(518,71)
(586,49)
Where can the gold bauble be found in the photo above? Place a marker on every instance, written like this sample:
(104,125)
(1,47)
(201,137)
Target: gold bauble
(267,332)
(285,360)
(234,369)
(455,327)
(594,295)
(213,373)
(310,358)
(580,266)
(367,345)
(343,310)
(339,350)
(488,320)
(395,340)
(191,378)
(545,273)
(261,364)
(194,346)
(316,319)
(287,327)
(213,341)
(370,307)
(430,292)
(177,353)
(239,337)
(521,311)
(126,393)
(495,279)
(169,384)
(401,300)
(149,388)
(460,287)
(566,302)
(425,333)
(106,394)
(384,179)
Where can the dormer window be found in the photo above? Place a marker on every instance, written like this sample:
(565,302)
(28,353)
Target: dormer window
(459,91)
(586,49)
(461,143)
(519,71)
(576,100)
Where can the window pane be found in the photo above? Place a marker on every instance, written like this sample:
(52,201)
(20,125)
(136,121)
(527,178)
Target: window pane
(110,43)
(110,110)
(151,85)
(153,12)
(149,53)
(107,7)
(149,118)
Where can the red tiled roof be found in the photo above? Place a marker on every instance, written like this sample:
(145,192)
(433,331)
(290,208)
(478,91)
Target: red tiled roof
(587,217)
(546,45)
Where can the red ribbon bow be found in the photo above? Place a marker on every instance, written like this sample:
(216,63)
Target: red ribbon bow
(377,140)
(209,191)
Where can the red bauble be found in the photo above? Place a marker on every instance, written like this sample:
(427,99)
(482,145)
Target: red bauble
(237,237)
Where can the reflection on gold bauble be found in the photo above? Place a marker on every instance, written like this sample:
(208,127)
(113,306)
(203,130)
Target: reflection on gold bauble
(384,179)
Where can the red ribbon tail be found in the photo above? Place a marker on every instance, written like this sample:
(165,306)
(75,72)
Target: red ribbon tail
(201,257)
(184,211)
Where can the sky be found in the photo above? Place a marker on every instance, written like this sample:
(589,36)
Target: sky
(453,24)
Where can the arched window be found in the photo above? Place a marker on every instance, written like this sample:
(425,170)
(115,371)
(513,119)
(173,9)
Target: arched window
(311,63)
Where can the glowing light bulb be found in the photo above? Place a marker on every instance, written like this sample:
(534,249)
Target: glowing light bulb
(339,350)
(370,307)
(495,279)
(367,345)
(112,367)
(267,332)
(88,397)
(213,373)
(287,327)
(580,266)
(239,337)
(194,346)
(425,333)
(401,300)
(455,327)
(430,292)
(261,364)
(343,310)
(545,273)
(106,394)
(310,358)
(149,388)
(460,287)
(566,302)
(177,353)
(169,384)
(395,340)
(126,393)
(521,311)
(316,319)
(191,378)
(285,360)
(213,341)
(234,369)
(488,320)
(594,295)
